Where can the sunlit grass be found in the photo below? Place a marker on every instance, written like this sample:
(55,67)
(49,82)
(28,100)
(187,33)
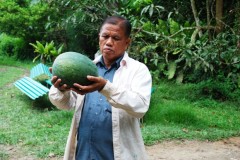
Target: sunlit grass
(40,130)
(36,125)
(7,73)
(10,61)
(178,112)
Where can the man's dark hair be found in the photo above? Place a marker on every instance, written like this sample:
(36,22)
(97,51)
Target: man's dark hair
(119,20)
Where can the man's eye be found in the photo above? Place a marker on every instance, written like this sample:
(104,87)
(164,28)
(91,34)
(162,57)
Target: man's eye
(104,36)
(116,38)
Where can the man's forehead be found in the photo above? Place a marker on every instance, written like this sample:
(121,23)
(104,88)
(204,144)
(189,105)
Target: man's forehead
(111,28)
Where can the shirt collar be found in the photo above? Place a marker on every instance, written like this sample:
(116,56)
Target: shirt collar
(118,61)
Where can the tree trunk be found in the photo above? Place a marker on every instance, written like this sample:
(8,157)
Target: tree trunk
(219,15)
(237,19)
(194,9)
(237,22)
(208,18)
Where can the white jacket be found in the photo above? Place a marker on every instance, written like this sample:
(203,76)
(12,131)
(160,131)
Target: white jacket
(129,95)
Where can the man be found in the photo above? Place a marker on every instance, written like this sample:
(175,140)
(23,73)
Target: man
(105,124)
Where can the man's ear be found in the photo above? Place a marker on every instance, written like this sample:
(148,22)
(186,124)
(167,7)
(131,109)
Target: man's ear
(99,38)
(128,42)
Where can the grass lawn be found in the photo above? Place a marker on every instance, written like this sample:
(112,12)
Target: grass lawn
(176,112)
(180,112)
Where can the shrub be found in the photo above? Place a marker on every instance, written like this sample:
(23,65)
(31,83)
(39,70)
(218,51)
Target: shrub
(46,52)
(25,20)
(11,46)
(220,88)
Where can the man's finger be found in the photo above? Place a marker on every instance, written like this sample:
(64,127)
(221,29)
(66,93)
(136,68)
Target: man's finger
(92,78)
(50,69)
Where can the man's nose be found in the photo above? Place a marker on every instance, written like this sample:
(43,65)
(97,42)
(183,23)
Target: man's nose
(109,41)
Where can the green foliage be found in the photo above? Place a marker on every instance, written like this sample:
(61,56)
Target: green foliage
(171,70)
(212,59)
(220,88)
(11,46)
(24,20)
(82,22)
(162,49)
(164,33)
(151,8)
(166,39)
(172,49)
(46,52)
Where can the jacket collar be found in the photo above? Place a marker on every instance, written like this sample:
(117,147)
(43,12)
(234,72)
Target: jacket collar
(123,62)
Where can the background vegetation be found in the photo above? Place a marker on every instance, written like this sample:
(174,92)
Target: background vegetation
(192,49)
(187,41)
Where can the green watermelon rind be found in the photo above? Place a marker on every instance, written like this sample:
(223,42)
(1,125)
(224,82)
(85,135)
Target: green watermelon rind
(73,67)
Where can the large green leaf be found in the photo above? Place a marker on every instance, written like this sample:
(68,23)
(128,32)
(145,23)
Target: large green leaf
(40,48)
(162,27)
(174,26)
(171,69)
(179,78)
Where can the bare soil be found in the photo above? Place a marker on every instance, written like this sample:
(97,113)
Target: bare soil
(227,149)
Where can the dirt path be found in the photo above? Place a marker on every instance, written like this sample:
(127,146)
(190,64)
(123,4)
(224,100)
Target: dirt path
(228,149)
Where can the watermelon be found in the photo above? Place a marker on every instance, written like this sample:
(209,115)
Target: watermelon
(73,67)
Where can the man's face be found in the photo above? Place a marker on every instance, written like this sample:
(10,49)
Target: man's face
(113,42)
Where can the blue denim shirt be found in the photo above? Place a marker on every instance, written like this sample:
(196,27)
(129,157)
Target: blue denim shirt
(95,131)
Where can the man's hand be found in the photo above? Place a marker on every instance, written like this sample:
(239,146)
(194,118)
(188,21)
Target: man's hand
(98,84)
(57,83)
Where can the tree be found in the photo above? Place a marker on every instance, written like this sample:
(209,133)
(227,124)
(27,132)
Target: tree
(197,20)
(81,21)
(24,20)
(219,15)
(237,23)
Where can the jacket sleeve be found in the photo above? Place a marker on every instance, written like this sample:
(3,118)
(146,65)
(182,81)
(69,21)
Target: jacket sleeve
(62,100)
(134,100)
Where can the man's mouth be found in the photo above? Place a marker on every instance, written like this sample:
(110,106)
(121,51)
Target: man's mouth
(107,50)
